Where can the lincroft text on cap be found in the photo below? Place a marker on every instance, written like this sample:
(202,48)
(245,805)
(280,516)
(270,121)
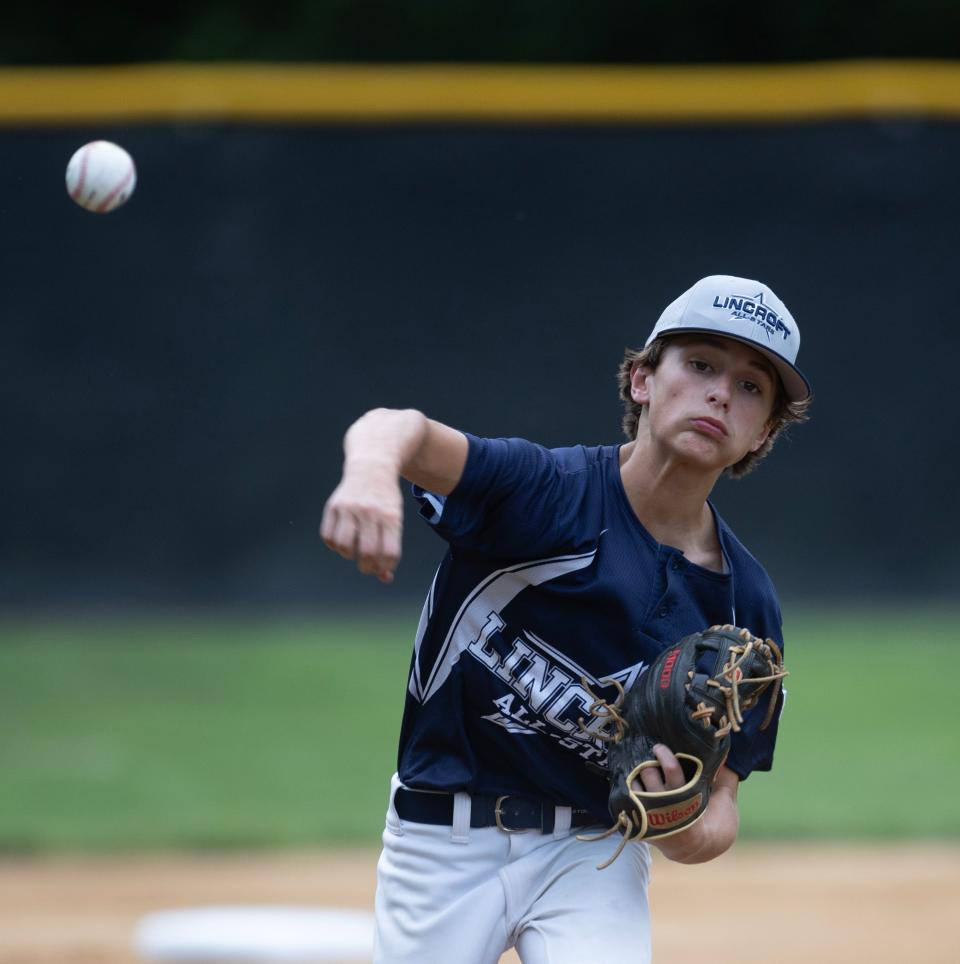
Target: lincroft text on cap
(744,307)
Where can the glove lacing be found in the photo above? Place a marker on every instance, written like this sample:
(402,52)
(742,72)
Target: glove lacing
(769,650)
(602,710)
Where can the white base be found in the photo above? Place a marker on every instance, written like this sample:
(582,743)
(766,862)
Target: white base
(252,934)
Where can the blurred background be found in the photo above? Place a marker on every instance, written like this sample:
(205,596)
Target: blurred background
(477,241)
(472,209)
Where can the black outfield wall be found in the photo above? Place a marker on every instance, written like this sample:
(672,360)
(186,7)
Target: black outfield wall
(177,375)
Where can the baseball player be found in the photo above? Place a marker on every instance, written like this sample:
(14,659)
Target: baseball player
(567,571)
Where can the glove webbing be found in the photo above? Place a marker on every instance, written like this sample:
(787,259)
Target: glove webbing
(602,709)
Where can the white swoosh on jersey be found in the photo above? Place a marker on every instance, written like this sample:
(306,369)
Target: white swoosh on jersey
(490,596)
(627,677)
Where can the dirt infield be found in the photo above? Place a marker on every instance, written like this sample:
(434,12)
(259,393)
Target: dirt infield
(828,904)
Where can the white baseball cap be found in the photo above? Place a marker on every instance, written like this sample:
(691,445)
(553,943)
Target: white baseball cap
(746,311)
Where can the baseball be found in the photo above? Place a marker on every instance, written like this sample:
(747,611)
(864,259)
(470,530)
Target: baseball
(101,176)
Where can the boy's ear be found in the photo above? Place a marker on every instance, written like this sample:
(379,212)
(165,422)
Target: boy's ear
(761,438)
(639,383)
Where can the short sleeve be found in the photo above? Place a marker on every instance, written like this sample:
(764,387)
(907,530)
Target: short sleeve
(511,499)
(752,748)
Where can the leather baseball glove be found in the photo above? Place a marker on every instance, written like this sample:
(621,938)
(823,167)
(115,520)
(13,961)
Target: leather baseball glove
(691,699)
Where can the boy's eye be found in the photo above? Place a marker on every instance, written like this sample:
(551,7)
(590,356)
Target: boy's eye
(698,365)
(751,387)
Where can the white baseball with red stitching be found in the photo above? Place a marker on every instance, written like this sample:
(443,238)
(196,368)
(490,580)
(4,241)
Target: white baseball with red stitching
(101,176)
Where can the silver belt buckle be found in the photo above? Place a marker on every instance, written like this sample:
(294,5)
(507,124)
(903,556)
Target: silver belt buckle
(498,816)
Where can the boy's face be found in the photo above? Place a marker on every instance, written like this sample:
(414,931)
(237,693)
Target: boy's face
(709,400)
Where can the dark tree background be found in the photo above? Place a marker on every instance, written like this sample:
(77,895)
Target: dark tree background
(545,31)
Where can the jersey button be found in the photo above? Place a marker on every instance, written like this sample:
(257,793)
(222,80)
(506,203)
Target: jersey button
(664,611)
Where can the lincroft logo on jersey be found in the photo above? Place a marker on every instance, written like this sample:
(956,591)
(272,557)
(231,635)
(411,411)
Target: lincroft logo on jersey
(549,694)
(753,309)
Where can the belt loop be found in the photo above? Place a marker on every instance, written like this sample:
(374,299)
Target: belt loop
(562,817)
(460,830)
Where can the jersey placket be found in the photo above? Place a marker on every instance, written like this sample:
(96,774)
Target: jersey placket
(669,564)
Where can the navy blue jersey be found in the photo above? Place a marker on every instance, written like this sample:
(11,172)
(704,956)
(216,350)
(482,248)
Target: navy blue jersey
(550,580)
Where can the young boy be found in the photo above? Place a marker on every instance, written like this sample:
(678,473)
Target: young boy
(563,566)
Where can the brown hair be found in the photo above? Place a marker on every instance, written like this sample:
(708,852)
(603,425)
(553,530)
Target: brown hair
(783,414)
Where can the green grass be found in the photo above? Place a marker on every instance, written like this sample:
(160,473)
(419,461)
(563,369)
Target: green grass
(122,734)
(869,743)
(207,733)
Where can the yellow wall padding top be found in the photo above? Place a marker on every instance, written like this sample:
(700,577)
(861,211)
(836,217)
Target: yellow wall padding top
(477,93)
